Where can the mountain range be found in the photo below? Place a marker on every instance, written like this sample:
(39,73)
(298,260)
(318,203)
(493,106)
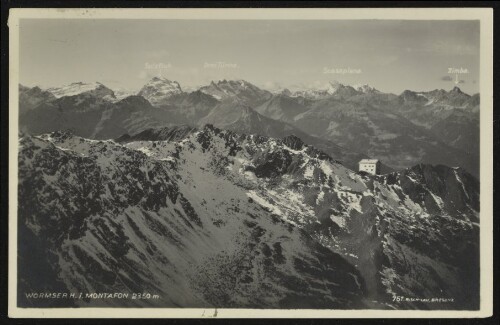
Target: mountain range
(206,217)
(435,127)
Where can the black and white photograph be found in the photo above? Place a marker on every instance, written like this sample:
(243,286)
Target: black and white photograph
(213,161)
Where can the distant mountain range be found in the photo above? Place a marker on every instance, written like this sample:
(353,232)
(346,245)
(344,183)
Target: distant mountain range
(436,127)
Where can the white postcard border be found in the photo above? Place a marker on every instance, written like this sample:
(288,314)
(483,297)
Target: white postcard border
(485,15)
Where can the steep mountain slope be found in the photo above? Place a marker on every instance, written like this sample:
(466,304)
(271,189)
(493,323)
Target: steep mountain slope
(30,98)
(428,108)
(94,117)
(174,133)
(116,219)
(215,218)
(460,129)
(389,226)
(78,106)
(132,114)
(452,117)
(189,108)
(81,113)
(473,103)
(400,130)
(373,98)
(281,107)
(454,98)
(382,134)
(232,115)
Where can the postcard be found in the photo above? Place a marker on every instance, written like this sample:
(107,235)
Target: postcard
(202,163)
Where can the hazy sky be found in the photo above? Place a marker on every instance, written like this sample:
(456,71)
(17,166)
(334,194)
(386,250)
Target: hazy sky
(391,55)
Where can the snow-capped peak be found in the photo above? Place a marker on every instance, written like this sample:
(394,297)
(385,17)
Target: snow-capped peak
(333,87)
(367,89)
(324,90)
(224,89)
(240,83)
(159,89)
(164,83)
(76,88)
